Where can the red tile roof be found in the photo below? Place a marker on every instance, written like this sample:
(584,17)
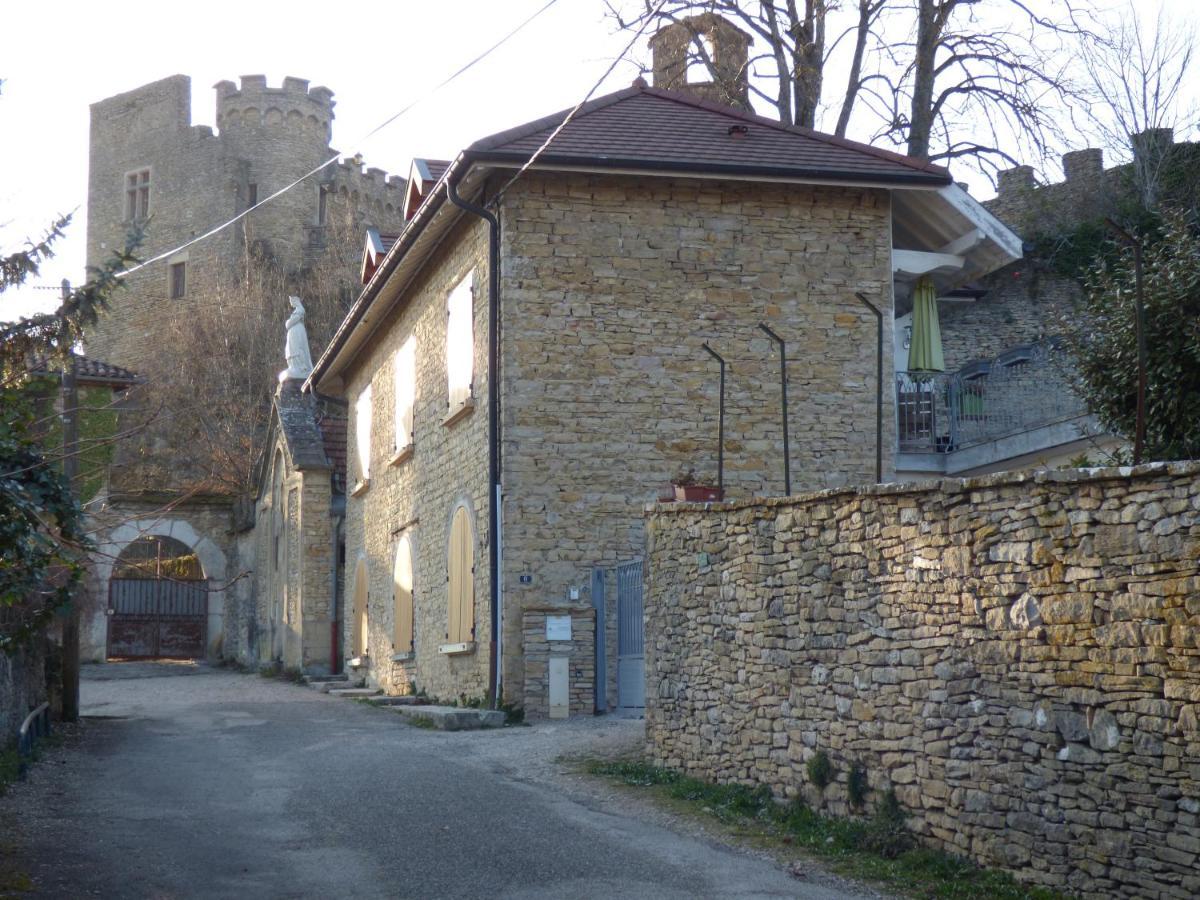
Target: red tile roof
(649,128)
(90,372)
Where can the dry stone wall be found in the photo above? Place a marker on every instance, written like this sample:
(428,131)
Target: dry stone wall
(1016,656)
(579,650)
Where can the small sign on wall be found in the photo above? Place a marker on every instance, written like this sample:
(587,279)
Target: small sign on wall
(558,628)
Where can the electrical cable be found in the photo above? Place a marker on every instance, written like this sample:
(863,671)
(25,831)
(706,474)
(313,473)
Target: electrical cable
(571,115)
(460,71)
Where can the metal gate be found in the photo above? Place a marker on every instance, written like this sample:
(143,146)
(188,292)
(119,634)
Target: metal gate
(157,617)
(631,661)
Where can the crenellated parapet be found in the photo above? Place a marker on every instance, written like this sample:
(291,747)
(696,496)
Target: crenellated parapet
(292,105)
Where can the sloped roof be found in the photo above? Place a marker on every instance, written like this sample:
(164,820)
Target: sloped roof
(649,128)
(89,371)
(298,426)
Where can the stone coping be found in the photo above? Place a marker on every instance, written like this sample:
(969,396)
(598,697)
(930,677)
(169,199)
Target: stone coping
(946,485)
(537,606)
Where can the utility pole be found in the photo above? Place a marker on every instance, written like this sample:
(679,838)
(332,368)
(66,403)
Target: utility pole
(70,448)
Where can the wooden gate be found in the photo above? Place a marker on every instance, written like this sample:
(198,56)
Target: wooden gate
(157,618)
(631,624)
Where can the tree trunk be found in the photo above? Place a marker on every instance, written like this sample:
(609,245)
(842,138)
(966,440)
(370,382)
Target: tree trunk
(931,20)
(810,60)
(867,10)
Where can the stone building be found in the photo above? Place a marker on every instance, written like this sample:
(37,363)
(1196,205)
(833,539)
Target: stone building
(151,167)
(525,369)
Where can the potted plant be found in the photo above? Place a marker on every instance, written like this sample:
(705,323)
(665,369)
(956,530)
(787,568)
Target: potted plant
(688,490)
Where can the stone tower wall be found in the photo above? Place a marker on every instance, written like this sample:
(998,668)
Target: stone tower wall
(671,47)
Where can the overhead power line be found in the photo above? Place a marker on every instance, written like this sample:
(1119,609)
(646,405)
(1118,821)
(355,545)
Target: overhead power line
(307,175)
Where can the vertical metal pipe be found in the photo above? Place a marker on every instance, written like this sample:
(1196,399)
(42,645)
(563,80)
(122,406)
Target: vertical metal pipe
(878,386)
(720,421)
(1139,434)
(787,457)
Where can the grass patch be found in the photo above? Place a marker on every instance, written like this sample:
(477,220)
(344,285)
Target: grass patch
(10,768)
(878,848)
(274,670)
(421,722)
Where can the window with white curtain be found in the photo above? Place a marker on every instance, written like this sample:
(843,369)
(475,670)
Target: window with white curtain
(406,391)
(460,343)
(362,433)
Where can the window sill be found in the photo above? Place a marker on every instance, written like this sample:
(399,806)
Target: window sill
(459,412)
(457,649)
(404,454)
(361,488)
(403,657)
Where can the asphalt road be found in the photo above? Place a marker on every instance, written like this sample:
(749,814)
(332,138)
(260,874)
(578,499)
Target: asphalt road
(190,782)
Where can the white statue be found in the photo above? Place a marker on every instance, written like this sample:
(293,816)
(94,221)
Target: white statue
(299,359)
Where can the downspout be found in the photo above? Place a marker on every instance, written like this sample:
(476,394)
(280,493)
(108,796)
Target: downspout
(337,513)
(495,676)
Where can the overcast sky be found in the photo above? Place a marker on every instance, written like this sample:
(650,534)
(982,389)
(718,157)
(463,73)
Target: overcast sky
(377,58)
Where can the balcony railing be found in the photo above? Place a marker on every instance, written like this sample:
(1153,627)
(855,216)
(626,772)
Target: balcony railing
(1025,388)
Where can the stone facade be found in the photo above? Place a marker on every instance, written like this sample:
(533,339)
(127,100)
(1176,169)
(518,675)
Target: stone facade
(610,287)
(1015,656)
(418,493)
(291,614)
(578,651)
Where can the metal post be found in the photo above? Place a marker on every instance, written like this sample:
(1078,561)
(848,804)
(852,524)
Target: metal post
(600,637)
(720,421)
(787,461)
(70,446)
(878,386)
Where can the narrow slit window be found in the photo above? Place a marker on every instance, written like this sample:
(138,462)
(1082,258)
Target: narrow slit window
(251,196)
(178,278)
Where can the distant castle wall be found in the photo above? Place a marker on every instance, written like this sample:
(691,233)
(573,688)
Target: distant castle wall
(266,138)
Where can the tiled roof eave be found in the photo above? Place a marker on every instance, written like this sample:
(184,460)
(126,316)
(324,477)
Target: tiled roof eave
(699,167)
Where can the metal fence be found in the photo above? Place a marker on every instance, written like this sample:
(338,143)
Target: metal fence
(1025,388)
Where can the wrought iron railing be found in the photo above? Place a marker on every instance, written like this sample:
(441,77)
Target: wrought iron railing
(1021,389)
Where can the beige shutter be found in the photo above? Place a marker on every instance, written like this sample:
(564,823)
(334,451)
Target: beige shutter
(358,634)
(403,586)
(461,587)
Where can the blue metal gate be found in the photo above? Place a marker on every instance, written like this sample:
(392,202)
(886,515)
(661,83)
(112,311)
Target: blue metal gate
(631,660)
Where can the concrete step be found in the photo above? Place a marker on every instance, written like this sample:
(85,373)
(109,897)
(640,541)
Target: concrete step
(325,679)
(325,687)
(354,692)
(399,701)
(452,718)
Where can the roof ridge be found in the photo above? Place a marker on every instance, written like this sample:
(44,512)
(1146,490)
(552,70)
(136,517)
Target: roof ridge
(831,139)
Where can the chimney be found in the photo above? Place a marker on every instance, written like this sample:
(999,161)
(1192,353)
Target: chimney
(1084,165)
(679,43)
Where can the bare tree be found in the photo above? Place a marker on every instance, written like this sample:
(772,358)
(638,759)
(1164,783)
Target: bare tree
(1136,78)
(935,77)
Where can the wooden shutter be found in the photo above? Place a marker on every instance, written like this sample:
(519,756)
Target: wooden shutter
(358,625)
(461,582)
(403,586)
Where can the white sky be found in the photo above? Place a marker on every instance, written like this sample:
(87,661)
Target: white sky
(377,58)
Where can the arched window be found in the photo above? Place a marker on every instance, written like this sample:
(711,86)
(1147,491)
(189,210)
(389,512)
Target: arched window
(402,596)
(358,622)
(461,582)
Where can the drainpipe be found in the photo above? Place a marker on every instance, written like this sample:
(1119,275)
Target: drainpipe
(493,428)
(337,514)
(878,386)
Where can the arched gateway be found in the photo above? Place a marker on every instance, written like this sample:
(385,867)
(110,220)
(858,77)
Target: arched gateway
(158,601)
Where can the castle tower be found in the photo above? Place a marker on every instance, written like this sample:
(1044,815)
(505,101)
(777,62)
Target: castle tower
(678,51)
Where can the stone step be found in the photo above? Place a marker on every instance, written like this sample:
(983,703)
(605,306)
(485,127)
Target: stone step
(399,701)
(325,687)
(325,679)
(452,718)
(354,692)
